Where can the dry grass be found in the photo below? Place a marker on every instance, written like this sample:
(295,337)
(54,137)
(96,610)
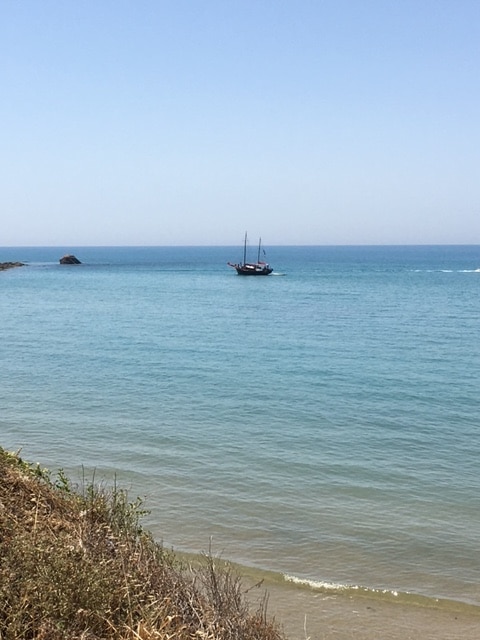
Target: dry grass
(78,565)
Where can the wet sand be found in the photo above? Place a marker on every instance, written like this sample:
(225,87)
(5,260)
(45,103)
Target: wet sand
(319,616)
(305,613)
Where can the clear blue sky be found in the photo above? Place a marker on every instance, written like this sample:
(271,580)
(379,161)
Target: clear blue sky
(151,122)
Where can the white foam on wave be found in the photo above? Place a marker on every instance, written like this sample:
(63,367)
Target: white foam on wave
(446,270)
(315,584)
(333,586)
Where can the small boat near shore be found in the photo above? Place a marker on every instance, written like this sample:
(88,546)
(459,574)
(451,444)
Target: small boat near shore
(258,268)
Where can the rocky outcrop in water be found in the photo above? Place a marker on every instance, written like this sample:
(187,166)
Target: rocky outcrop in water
(69,259)
(10,265)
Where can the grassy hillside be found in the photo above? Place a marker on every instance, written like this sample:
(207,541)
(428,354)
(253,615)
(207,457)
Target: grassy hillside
(76,564)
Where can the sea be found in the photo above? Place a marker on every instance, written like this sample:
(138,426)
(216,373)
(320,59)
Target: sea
(320,426)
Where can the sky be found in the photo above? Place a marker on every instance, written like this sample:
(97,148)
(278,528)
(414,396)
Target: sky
(188,122)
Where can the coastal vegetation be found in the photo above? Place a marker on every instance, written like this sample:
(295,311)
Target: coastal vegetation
(75,563)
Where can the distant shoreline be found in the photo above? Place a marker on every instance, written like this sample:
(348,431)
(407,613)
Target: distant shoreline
(10,265)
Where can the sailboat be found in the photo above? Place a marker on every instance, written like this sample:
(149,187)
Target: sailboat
(258,268)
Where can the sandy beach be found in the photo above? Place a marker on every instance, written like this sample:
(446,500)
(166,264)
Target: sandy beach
(317,616)
(308,614)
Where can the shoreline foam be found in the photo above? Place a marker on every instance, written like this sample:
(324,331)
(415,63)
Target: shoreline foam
(309,610)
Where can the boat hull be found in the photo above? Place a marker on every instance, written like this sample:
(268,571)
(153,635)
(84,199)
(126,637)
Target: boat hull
(249,269)
(245,271)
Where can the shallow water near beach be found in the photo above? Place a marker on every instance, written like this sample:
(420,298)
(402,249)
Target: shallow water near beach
(320,424)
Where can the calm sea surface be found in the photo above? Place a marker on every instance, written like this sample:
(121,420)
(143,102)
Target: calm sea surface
(322,423)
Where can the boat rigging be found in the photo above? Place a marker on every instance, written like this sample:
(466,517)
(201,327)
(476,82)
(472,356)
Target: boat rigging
(258,268)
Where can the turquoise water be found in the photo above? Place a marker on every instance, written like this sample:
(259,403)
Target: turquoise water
(322,423)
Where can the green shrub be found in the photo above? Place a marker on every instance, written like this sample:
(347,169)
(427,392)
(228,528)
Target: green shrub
(79,565)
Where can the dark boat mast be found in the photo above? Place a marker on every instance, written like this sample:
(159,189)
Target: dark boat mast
(245,250)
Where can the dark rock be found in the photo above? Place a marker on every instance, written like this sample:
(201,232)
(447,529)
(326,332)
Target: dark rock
(69,259)
(10,265)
